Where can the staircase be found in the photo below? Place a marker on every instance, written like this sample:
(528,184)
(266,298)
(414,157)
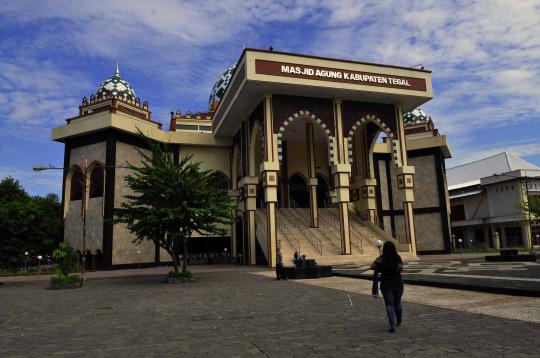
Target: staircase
(323,243)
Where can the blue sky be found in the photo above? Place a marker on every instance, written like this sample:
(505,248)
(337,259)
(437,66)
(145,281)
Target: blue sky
(485,58)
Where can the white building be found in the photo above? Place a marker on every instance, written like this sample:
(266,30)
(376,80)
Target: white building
(485,198)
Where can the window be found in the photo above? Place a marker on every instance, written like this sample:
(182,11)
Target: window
(76,185)
(219,181)
(457,212)
(96,181)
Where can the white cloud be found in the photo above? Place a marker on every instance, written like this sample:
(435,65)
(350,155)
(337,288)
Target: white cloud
(485,55)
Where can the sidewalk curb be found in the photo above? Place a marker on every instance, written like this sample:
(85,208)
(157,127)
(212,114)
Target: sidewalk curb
(452,285)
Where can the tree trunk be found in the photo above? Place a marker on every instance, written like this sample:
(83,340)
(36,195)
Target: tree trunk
(184,256)
(175,262)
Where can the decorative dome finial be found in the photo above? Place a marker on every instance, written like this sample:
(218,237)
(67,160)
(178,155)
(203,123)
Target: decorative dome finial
(416,116)
(116,86)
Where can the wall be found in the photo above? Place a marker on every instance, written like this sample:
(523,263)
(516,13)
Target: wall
(426,192)
(73,223)
(124,251)
(503,199)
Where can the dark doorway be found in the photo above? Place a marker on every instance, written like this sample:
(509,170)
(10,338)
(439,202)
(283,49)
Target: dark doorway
(322,192)
(239,240)
(298,192)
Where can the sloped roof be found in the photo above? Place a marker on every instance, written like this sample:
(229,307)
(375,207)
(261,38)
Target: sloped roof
(470,173)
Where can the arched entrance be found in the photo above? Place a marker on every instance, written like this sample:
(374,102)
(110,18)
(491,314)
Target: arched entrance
(304,143)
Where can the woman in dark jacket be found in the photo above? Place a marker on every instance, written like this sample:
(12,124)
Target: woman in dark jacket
(390,265)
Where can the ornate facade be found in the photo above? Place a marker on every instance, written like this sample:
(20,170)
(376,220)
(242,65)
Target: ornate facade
(324,156)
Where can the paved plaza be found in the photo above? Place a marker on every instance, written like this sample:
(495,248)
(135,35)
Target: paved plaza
(242,314)
(516,278)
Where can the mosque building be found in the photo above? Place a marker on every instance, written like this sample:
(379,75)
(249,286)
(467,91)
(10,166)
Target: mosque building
(323,156)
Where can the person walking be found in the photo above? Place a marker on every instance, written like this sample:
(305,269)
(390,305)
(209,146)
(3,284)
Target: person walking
(280,272)
(390,265)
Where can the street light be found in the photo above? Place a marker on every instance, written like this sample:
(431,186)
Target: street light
(531,251)
(39,264)
(25,258)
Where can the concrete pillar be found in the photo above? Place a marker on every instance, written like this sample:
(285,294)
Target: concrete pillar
(312,176)
(248,199)
(367,198)
(405,180)
(270,170)
(235,195)
(340,172)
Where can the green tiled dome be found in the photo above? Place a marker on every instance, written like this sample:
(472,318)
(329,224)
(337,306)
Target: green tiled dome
(416,116)
(221,86)
(117,87)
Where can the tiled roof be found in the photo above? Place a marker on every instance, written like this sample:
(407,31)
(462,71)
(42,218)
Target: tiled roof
(499,163)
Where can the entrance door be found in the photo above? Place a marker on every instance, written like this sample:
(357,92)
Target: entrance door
(298,192)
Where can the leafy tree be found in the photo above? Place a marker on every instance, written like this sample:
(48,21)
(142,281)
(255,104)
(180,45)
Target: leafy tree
(172,201)
(11,190)
(32,224)
(66,259)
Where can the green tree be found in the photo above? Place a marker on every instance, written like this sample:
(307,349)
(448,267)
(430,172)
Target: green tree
(32,224)
(172,201)
(66,259)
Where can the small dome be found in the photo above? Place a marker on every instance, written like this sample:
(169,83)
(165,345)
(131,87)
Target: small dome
(220,87)
(416,116)
(116,86)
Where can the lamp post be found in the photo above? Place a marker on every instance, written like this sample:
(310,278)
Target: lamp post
(531,250)
(25,259)
(39,258)
(460,240)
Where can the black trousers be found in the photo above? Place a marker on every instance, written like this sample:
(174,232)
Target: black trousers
(280,272)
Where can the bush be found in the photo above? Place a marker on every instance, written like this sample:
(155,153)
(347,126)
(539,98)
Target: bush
(66,258)
(173,274)
(178,277)
(60,282)
(65,280)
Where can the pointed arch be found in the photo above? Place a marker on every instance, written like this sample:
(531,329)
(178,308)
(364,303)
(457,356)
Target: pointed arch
(96,179)
(235,166)
(219,181)
(256,133)
(384,128)
(313,117)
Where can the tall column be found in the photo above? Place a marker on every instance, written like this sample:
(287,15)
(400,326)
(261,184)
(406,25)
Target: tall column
(340,172)
(270,169)
(312,180)
(233,193)
(405,175)
(248,197)
(364,186)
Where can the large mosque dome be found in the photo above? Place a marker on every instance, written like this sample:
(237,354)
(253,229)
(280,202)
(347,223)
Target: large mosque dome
(220,87)
(116,86)
(416,116)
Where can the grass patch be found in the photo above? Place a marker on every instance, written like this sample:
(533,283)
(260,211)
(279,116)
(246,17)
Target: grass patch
(180,277)
(66,280)
(61,282)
